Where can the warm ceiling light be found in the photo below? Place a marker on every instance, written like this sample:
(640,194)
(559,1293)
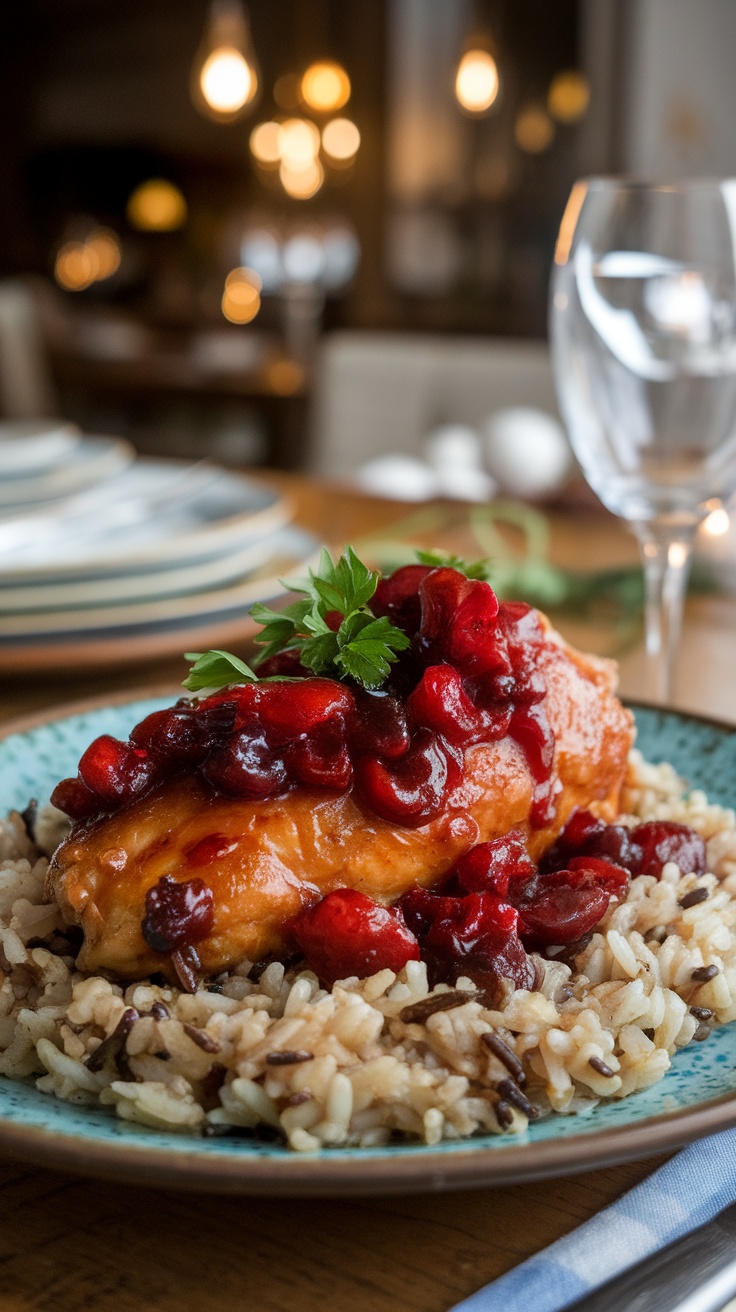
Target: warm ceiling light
(157,206)
(298,143)
(476,82)
(241,298)
(104,247)
(265,143)
(325,86)
(303,183)
(534,130)
(244,275)
(569,96)
(340,139)
(225,72)
(226,81)
(76,266)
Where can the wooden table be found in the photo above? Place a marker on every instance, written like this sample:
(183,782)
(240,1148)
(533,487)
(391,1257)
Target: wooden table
(71,1244)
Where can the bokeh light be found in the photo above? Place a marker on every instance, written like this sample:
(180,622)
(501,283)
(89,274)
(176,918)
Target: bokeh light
(264,143)
(476,83)
(80,263)
(227,81)
(302,183)
(157,206)
(340,139)
(298,144)
(325,86)
(569,96)
(285,376)
(75,268)
(241,299)
(104,247)
(534,130)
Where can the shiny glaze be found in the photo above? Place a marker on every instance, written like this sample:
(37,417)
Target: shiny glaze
(271,858)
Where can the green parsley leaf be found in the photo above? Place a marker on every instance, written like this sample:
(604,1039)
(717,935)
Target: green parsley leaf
(477,569)
(216,669)
(363,648)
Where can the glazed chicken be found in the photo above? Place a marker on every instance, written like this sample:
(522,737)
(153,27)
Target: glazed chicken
(267,860)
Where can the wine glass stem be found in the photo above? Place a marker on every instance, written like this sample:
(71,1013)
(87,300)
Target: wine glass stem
(666,557)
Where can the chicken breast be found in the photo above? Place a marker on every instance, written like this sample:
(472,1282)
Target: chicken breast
(265,861)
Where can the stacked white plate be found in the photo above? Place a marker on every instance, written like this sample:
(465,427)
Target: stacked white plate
(105,557)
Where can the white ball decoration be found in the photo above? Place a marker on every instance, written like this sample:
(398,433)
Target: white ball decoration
(455,452)
(402,478)
(527,451)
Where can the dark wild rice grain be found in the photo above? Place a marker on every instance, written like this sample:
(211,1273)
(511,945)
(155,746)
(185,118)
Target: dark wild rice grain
(506,1055)
(598,1064)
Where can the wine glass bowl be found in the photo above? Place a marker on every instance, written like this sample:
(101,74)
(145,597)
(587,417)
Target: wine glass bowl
(643,326)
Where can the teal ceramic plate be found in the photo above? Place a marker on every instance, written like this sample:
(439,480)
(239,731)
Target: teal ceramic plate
(696,1097)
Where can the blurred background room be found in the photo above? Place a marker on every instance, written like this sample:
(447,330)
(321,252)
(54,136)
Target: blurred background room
(315,238)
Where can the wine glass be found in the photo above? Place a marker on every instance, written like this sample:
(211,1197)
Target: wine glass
(643,326)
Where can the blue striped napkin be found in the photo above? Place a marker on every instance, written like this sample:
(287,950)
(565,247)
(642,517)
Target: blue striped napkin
(683,1194)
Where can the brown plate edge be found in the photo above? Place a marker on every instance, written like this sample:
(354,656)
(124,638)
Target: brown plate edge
(466,1168)
(295,1175)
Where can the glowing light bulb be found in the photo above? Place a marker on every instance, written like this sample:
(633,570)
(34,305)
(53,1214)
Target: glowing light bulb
(298,144)
(476,82)
(241,299)
(302,183)
(569,96)
(534,130)
(157,206)
(225,77)
(340,139)
(265,143)
(325,86)
(226,81)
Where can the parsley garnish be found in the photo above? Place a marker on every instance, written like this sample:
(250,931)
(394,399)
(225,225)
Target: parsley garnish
(476,569)
(216,669)
(331,628)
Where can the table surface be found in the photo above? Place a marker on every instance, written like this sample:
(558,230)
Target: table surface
(72,1244)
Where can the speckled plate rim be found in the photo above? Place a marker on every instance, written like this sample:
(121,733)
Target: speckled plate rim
(468,1165)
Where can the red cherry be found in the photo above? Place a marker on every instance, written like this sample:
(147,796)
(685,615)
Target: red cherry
(178,914)
(321,758)
(290,709)
(348,933)
(492,867)
(398,597)
(183,735)
(476,935)
(115,771)
(660,841)
(584,835)
(245,766)
(75,799)
(473,639)
(440,702)
(591,872)
(411,791)
(562,912)
(378,726)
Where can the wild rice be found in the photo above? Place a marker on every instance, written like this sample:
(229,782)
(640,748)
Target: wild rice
(267,1050)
